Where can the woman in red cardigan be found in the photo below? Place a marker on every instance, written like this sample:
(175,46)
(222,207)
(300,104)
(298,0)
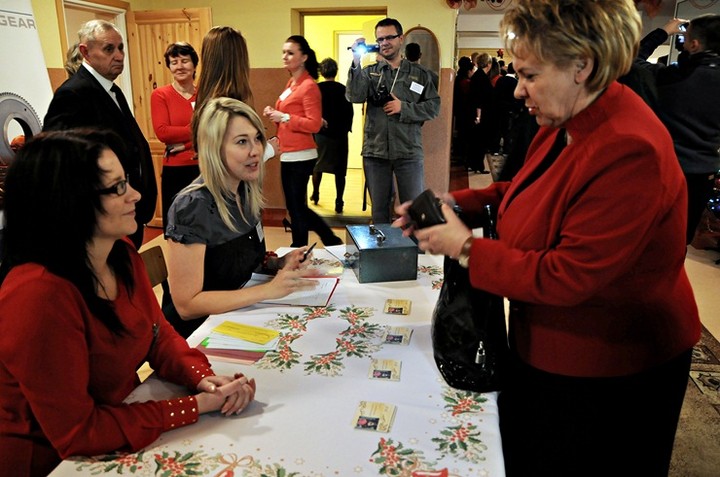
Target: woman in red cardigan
(298,114)
(590,253)
(78,315)
(172,108)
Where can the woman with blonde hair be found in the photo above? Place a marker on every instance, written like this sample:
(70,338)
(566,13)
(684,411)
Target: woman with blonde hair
(215,236)
(591,253)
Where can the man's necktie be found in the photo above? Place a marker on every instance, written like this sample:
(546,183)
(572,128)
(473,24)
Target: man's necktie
(122,102)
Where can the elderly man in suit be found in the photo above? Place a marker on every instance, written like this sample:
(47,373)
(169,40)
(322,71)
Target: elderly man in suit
(91,99)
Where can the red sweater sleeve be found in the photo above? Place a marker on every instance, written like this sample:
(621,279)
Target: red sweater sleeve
(171,115)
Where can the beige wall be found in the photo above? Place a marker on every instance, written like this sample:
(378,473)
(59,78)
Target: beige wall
(266,24)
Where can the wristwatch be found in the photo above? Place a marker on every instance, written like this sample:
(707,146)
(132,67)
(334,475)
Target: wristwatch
(464,257)
(285,118)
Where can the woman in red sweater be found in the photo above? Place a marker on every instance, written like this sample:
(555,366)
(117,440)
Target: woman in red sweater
(78,315)
(298,114)
(590,253)
(172,109)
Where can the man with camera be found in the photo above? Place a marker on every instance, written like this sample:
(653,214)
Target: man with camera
(687,105)
(400,97)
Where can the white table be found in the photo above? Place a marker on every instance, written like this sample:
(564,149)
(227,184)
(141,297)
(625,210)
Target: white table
(301,419)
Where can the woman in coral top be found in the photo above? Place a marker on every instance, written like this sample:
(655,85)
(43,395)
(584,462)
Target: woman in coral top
(298,114)
(172,109)
(78,315)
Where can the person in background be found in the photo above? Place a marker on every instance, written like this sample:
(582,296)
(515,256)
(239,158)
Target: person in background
(401,96)
(172,108)
(298,115)
(689,104)
(78,315)
(413,52)
(463,111)
(73,60)
(89,98)
(591,253)
(473,57)
(332,139)
(225,73)
(215,236)
(481,91)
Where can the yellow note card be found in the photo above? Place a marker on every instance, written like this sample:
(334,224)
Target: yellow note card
(254,334)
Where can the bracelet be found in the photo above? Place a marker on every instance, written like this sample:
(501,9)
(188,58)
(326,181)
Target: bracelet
(268,256)
(464,257)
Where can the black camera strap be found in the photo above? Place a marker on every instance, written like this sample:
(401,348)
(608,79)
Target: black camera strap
(382,76)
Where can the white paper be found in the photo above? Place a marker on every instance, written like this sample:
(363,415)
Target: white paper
(318,296)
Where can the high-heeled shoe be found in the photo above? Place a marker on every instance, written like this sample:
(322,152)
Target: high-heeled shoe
(315,198)
(334,240)
(286,224)
(339,206)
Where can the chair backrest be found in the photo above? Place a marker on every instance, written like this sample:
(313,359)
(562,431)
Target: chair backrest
(155,264)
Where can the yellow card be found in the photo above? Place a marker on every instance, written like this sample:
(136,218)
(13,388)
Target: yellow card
(397,307)
(374,416)
(388,369)
(254,334)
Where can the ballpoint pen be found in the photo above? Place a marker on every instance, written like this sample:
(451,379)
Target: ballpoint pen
(307,252)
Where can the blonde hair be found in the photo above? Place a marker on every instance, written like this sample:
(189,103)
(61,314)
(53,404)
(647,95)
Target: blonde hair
(214,118)
(73,59)
(564,31)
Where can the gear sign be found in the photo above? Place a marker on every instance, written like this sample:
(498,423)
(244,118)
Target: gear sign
(15,107)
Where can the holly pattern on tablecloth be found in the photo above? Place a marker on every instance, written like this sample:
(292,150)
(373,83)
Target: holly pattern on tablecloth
(394,459)
(462,442)
(460,402)
(360,339)
(175,464)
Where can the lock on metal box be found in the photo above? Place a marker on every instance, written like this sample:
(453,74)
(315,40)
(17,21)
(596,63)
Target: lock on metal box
(380,253)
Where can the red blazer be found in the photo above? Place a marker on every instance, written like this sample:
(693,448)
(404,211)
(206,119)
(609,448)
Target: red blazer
(64,375)
(592,253)
(304,105)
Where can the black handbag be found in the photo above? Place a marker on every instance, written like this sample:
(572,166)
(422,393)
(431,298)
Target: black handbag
(469,336)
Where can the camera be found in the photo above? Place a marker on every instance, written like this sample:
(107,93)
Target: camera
(362,48)
(381,96)
(680,37)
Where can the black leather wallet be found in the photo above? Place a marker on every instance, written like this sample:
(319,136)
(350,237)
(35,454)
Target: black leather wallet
(425,210)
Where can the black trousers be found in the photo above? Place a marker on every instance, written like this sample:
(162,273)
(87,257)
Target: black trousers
(554,425)
(295,177)
(699,187)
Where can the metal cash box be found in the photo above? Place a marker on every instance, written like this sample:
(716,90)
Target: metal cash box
(380,253)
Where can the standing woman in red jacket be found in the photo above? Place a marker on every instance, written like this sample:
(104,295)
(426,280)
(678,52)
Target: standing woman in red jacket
(172,108)
(298,114)
(591,253)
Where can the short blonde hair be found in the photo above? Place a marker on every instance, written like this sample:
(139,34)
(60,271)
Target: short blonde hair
(214,118)
(563,31)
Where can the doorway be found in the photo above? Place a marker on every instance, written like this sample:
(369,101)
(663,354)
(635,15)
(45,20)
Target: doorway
(330,34)
(75,13)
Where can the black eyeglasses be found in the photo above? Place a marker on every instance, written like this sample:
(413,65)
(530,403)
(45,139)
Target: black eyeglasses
(118,188)
(386,38)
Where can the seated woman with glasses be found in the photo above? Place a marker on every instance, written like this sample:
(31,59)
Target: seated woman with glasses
(215,236)
(78,315)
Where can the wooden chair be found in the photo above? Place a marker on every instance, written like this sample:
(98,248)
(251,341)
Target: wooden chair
(155,264)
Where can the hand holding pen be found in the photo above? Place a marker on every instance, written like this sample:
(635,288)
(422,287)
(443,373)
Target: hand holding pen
(307,252)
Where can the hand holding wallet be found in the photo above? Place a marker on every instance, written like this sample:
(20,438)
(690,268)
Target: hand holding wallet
(426,210)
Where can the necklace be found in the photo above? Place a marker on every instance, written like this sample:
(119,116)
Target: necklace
(187,93)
